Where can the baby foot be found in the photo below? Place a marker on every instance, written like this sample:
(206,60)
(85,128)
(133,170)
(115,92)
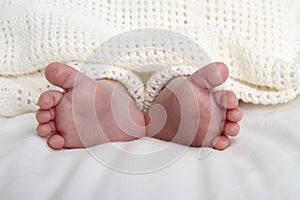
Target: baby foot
(194,114)
(72,119)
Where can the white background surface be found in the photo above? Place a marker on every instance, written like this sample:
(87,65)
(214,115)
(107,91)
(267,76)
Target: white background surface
(262,163)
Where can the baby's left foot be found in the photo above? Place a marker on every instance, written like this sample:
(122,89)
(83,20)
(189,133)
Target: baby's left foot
(196,116)
(85,115)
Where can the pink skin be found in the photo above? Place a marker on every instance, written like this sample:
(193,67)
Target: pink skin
(57,120)
(216,116)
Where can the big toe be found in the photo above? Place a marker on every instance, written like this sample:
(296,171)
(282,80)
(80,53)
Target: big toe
(61,75)
(210,76)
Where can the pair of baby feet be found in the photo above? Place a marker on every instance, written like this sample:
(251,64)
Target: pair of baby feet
(187,110)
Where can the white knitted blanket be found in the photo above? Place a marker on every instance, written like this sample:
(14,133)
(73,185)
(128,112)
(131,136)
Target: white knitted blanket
(258,40)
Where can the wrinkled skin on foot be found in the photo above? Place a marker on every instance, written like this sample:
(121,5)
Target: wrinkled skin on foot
(196,115)
(215,113)
(70,122)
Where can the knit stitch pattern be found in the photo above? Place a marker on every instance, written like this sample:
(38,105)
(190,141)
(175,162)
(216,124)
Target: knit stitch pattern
(255,39)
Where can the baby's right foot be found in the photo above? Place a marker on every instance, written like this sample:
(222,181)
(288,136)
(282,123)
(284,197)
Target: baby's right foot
(195,114)
(72,119)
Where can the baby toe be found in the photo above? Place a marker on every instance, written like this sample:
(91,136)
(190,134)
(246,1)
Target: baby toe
(231,129)
(56,141)
(234,115)
(44,116)
(44,130)
(49,99)
(221,142)
(226,99)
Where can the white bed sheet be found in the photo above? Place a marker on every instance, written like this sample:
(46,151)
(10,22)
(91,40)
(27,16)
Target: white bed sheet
(262,163)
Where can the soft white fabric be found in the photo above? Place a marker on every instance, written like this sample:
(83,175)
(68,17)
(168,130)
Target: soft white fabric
(262,163)
(258,40)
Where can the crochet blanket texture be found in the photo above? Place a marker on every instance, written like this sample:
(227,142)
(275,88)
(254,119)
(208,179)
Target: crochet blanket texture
(257,40)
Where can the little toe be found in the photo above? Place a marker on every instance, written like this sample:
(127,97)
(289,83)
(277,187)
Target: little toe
(226,99)
(210,76)
(221,142)
(61,75)
(235,115)
(56,141)
(231,129)
(49,99)
(44,130)
(44,116)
